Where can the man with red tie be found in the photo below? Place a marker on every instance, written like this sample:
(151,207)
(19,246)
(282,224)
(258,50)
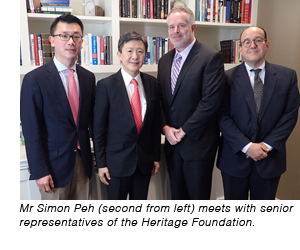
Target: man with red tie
(127,124)
(57,101)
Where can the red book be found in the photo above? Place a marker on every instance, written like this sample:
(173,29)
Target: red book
(151,9)
(247,11)
(36,50)
(102,50)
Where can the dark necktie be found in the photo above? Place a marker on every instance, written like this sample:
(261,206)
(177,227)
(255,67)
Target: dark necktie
(257,90)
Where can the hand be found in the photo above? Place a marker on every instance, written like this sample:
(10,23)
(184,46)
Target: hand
(155,168)
(257,151)
(104,175)
(45,183)
(170,134)
(181,134)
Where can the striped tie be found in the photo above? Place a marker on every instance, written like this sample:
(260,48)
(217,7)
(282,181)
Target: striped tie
(175,71)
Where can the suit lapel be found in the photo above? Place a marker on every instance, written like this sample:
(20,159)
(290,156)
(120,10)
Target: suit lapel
(120,85)
(243,81)
(192,56)
(82,89)
(269,87)
(168,68)
(57,86)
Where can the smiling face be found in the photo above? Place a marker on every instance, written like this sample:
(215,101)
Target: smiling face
(132,56)
(254,55)
(181,32)
(66,52)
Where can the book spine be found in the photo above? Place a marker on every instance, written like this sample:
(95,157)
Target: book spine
(40,48)
(36,50)
(102,50)
(98,51)
(151,49)
(94,50)
(31,4)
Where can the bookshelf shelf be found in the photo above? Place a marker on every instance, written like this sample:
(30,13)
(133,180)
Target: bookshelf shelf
(84,19)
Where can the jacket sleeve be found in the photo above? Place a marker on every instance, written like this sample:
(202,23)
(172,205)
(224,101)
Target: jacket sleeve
(32,124)
(101,111)
(212,93)
(280,133)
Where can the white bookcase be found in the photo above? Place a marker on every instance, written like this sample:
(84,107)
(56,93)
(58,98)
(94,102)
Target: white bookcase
(111,24)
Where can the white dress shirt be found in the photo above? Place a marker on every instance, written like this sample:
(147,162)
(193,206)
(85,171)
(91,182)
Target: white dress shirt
(251,75)
(184,53)
(130,89)
(64,75)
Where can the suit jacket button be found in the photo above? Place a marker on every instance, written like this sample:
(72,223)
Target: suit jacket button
(172,109)
(75,150)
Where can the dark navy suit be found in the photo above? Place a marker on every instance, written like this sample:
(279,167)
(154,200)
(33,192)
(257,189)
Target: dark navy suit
(48,125)
(239,125)
(118,145)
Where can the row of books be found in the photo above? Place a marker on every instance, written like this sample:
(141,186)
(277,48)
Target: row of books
(150,9)
(223,11)
(230,51)
(49,6)
(96,50)
(41,51)
(157,47)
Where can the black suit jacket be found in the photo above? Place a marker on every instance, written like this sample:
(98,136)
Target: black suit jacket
(49,127)
(239,126)
(118,145)
(196,100)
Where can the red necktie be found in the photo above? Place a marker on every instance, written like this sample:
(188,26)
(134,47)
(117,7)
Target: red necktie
(73,97)
(136,106)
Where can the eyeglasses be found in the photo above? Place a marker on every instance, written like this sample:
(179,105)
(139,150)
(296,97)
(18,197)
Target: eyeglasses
(258,41)
(66,37)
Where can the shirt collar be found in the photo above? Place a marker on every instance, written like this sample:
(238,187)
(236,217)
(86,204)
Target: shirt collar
(127,78)
(187,50)
(262,67)
(61,67)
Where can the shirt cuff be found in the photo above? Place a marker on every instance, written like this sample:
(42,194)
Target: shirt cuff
(270,147)
(245,149)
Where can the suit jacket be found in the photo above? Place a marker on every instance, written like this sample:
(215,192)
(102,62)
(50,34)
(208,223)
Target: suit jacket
(239,126)
(49,127)
(196,99)
(118,145)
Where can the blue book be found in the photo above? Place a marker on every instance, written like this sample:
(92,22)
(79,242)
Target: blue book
(94,50)
(55,2)
(228,11)
(151,49)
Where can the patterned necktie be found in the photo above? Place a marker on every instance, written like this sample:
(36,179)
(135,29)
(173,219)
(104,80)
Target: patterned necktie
(175,71)
(136,106)
(73,98)
(73,95)
(257,90)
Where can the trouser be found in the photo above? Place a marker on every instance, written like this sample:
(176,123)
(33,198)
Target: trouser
(189,180)
(260,189)
(79,187)
(136,186)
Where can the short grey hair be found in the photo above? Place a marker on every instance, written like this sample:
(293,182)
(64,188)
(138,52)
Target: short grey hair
(189,12)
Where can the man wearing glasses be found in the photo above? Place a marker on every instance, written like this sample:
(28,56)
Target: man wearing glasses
(259,112)
(57,102)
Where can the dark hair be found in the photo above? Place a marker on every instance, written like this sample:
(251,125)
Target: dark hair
(68,18)
(265,33)
(131,35)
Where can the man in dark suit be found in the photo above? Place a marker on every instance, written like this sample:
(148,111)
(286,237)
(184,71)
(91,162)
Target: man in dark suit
(57,133)
(189,107)
(127,142)
(255,128)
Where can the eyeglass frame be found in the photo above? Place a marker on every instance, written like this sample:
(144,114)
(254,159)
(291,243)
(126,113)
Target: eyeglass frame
(81,37)
(253,40)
